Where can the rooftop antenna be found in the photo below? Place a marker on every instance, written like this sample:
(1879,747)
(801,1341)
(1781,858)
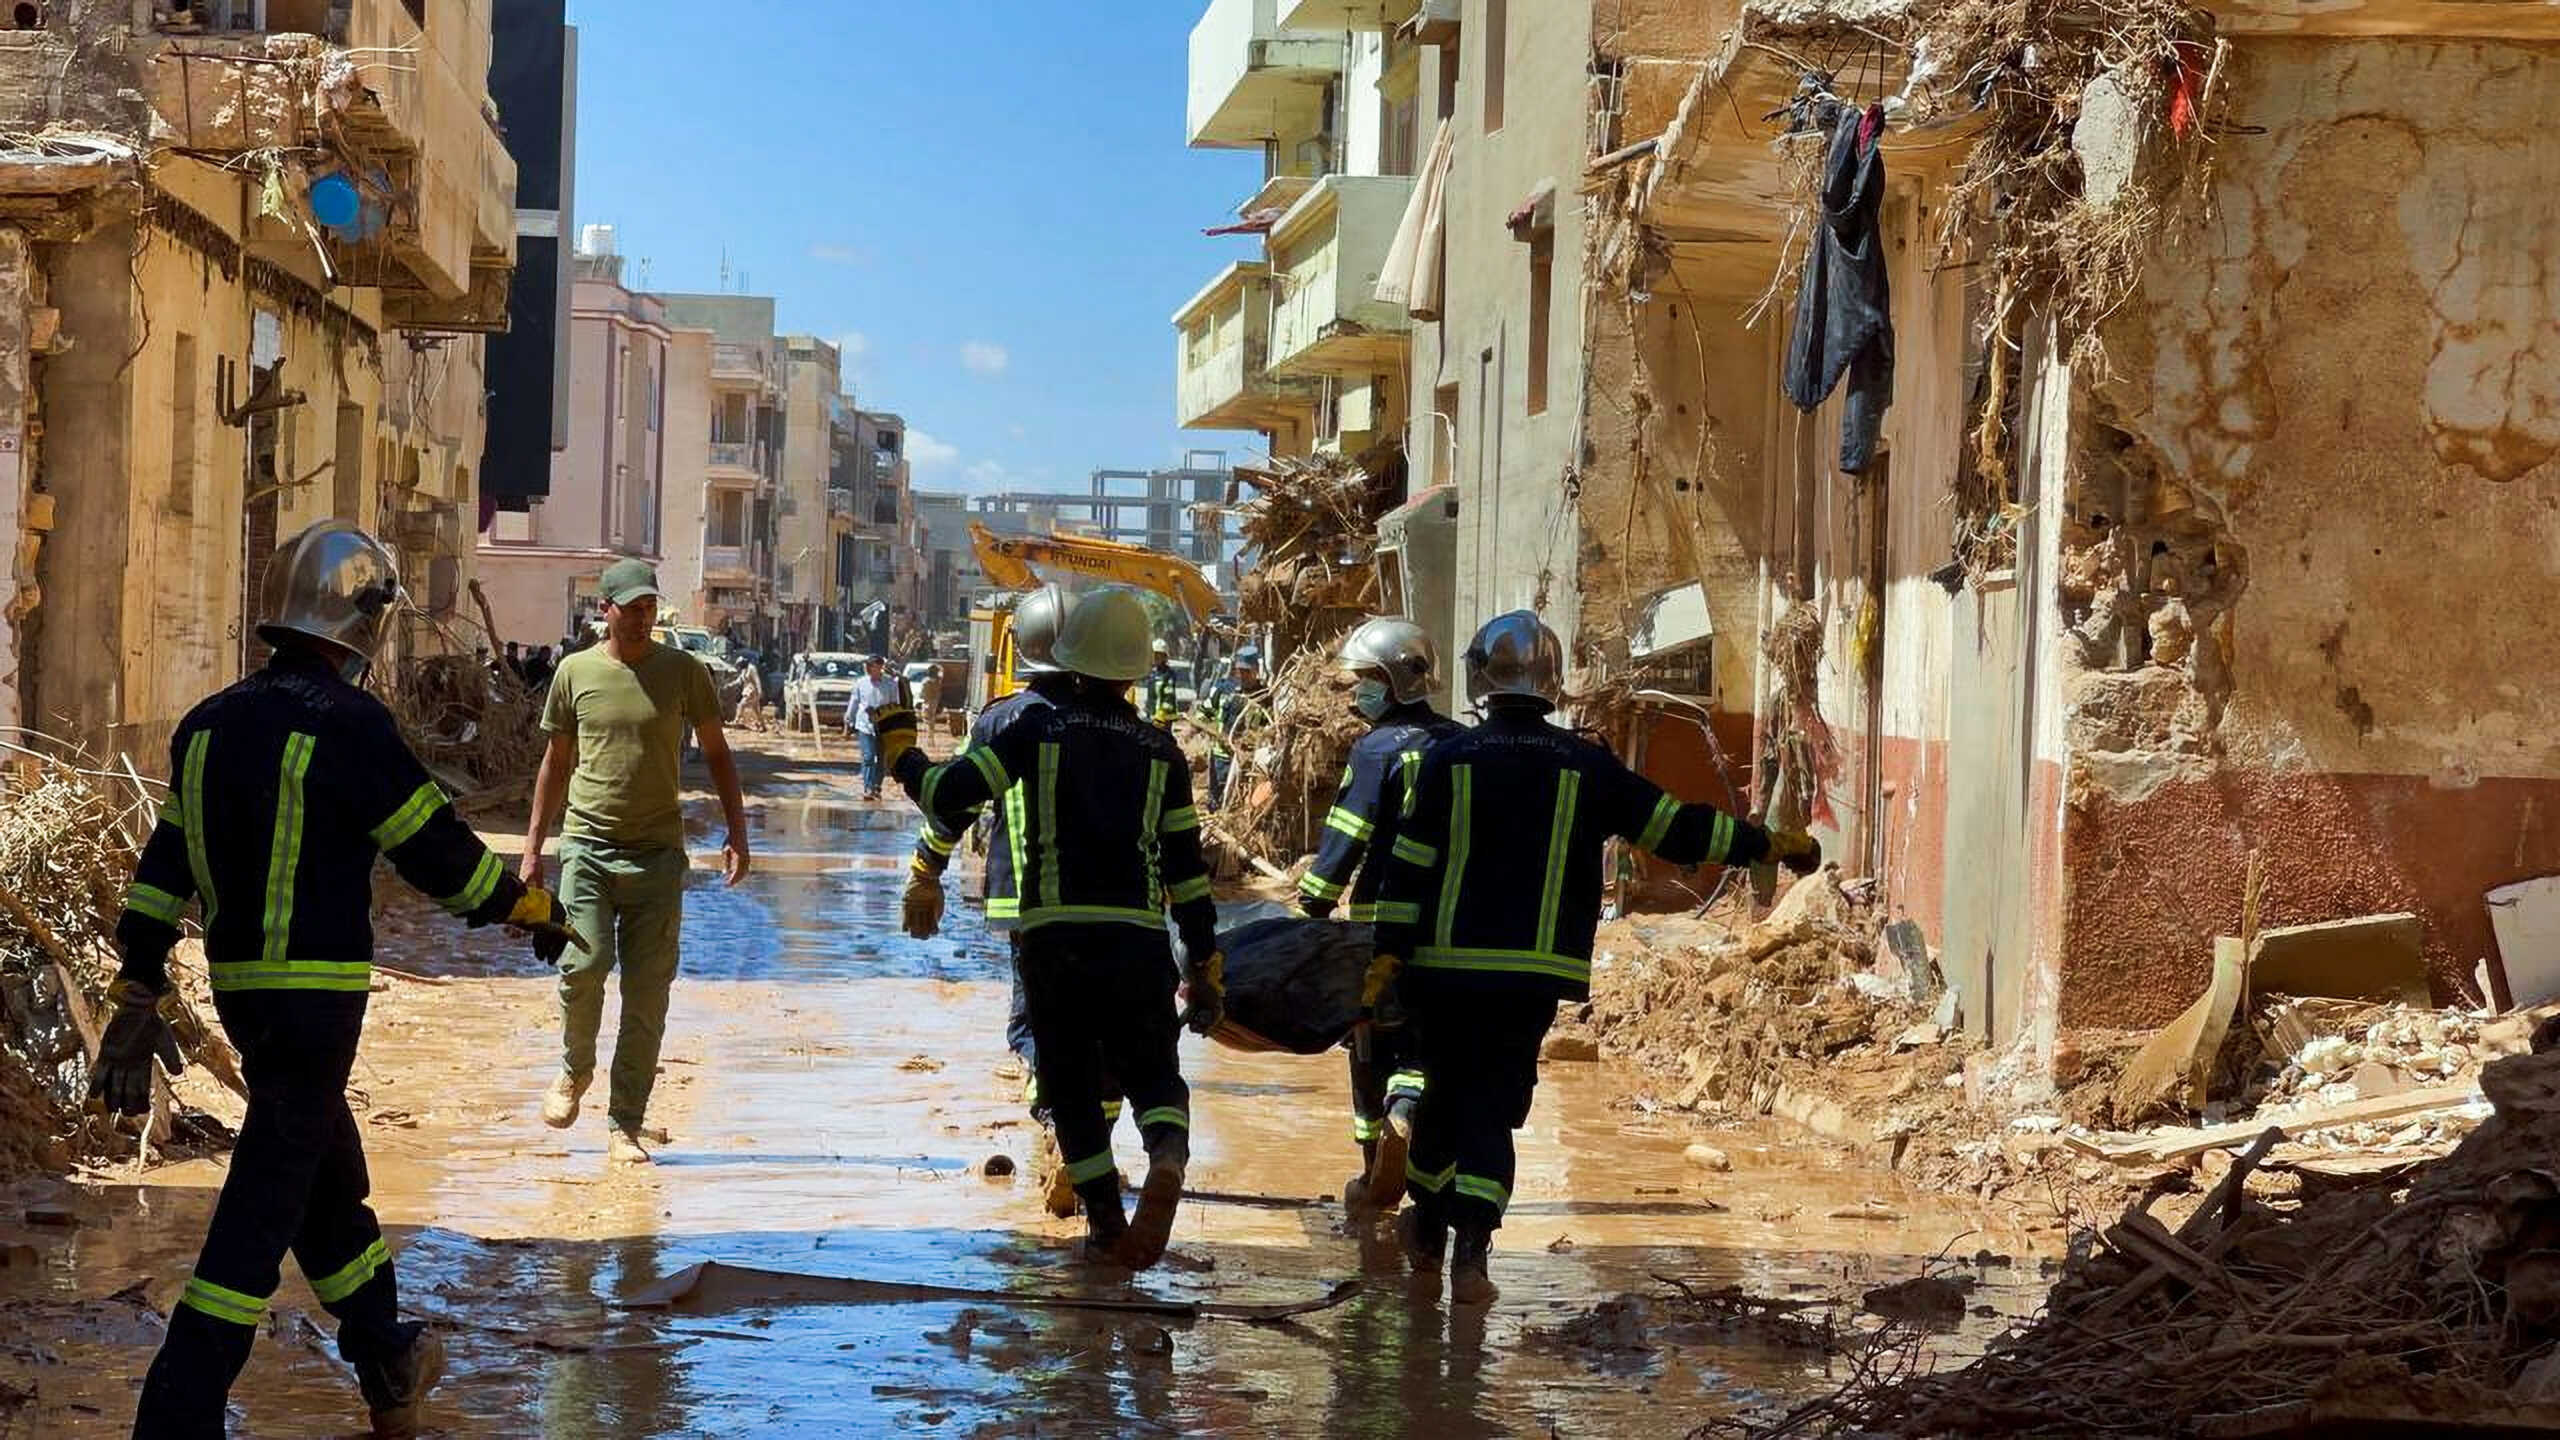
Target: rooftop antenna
(724,268)
(644,273)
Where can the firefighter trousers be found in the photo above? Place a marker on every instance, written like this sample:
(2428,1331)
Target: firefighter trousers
(1101,1003)
(297,1183)
(1479,1050)
(1017,1038)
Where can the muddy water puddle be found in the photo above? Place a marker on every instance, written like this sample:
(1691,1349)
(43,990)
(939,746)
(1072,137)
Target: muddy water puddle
(832,1091)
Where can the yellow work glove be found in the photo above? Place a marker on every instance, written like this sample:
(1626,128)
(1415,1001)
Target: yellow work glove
(896,727)
(1796,850)
(539,913)
(920,908)
(1382,973)
(1206,979)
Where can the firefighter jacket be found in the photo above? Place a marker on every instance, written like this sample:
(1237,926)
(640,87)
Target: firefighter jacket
(284,788)
(1376,795)
(934,843)
(1160,696)
(1227,707)
(1496,874)
(1105,834)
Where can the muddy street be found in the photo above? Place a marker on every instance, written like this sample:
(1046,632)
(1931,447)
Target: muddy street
(833,1092)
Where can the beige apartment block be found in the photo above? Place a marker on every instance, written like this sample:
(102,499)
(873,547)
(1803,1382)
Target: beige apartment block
(540,567)
(736,509)
(191,365)
(805,524)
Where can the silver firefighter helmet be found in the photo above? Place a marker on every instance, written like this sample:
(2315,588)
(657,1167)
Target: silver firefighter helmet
(1399,651)
(1515,654)
(1108,635)
(332,583)
(1037,619)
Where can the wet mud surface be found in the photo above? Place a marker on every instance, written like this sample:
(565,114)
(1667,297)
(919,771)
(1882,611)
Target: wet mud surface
(832,1091)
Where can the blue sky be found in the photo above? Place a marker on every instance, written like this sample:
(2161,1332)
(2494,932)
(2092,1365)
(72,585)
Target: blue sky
(988,202)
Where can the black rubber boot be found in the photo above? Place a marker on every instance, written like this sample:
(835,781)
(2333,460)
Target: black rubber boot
(1469,1284)
(395,1389)
(1106,1230)
(1425,1241)
(1151,1228)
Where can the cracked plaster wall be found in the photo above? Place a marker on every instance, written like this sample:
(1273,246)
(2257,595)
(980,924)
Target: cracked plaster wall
(2352,359)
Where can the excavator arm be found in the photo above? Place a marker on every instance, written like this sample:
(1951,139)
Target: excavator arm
(1013,561)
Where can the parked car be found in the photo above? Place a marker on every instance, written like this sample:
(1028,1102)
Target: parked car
(820,684)
(713,652)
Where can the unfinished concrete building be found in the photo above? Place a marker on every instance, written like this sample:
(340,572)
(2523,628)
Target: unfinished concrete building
(245,275)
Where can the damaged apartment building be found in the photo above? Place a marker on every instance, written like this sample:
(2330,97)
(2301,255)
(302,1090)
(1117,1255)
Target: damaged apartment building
(249,255)
(2180,397)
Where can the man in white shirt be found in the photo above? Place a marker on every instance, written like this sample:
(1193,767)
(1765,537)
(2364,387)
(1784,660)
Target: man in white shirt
(876,687)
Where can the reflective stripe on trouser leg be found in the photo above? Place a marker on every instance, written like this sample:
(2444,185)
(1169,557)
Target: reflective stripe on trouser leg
(1483,1190)
(1404,1085)
(223,1303)
(1366,1130)
(1091,1167)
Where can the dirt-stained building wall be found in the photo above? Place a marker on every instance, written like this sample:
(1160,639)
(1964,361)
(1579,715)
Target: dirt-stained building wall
(2336,407)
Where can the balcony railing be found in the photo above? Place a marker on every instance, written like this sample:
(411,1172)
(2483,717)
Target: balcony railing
(746,456)
(729,560)
(1326,253)
(840,503)
(740,363)
(1251,80)
(1346,14)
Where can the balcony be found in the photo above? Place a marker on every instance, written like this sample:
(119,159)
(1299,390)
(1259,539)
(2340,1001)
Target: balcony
(740,462)
(839,504)
(741,365)
(1223,341)
(409,125)
(726,562)
(1326,253)
(1253,81)
(1346,14)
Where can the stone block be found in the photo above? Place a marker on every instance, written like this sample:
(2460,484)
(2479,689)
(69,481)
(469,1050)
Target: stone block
(2370,957)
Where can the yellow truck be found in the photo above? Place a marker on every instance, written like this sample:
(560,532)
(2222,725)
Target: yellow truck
(1015,562)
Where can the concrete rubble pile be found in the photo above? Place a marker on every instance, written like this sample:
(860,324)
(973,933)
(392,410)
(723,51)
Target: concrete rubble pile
(69,835)
(1311,524)
(1811,1013)
(2278,1307)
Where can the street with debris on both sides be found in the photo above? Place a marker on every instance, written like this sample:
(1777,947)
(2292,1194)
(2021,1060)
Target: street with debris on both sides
(833,1092)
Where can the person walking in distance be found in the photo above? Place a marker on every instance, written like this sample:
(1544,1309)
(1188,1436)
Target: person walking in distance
(1109,840)
(617,713)
(285,788)
(1393,668)
(1491,901)
(874,689)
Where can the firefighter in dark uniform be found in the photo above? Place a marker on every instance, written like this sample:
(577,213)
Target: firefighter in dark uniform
(1109,840)
(1230,707)
(1492,896)
(1036,618)
(285,788)
(1393,668)
(1160,699)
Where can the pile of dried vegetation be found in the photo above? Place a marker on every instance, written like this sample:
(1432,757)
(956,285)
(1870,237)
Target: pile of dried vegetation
(70,831)
(2401,1300)
(1312,526)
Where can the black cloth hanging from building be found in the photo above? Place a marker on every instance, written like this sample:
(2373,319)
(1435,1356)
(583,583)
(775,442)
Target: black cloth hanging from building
(1844,308)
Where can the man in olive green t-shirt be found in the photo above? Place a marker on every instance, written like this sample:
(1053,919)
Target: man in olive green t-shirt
(617,713)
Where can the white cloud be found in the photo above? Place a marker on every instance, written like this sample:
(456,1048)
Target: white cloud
(1015,431)
(830,253)
(926,453)
(984,357)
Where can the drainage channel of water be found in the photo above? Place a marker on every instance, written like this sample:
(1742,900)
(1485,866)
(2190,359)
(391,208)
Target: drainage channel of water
(833,1090)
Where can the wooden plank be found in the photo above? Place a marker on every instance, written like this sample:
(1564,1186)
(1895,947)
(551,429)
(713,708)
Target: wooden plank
(2178,1144)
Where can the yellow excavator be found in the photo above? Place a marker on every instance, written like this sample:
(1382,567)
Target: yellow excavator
(1015,562)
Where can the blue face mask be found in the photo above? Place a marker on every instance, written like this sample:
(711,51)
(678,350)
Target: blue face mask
(1370,698)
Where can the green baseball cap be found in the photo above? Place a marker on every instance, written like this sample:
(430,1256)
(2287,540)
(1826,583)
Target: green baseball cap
(627,580)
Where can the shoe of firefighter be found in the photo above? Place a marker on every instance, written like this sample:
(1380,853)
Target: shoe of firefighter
(560,1102)
(1049,1170)
(1425,1242)
(1151,1228)
(394,1389)
(1106,1234)
(1384,1189)
(623,1147)
(1469,1284)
